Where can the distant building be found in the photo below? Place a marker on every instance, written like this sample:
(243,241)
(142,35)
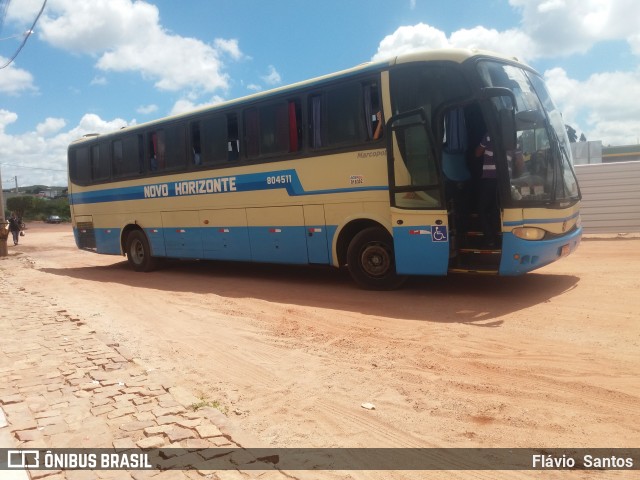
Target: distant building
(50,193)
(586,153)
(624,153)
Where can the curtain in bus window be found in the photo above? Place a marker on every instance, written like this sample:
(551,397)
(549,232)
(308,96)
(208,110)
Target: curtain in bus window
(293,128)
(153,157)
(251,132)
(196,146)
(456,131)
(316,130)
(368,111)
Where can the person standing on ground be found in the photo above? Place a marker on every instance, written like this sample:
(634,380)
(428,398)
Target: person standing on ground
(488,189)
(14,227)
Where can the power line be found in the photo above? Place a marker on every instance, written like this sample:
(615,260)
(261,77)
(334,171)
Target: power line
(26,36)
(3,11)
(32,168)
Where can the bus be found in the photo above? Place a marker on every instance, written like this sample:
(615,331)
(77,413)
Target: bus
(374,168)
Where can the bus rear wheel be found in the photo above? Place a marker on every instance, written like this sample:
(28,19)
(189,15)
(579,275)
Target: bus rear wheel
(371,260)
(139,252)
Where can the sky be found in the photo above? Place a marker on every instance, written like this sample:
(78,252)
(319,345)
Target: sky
(93,66)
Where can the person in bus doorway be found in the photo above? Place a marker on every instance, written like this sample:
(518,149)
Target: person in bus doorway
(487,191)
(15,224)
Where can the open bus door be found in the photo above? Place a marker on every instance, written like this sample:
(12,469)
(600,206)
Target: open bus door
(418,213)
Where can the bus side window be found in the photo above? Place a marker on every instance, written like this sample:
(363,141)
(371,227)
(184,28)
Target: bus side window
(251,132)
(274,128)
(118,159)
(196,149)
(100,162)
(315,123)
(233,140)
(337,117)
(372,109)
(295,130)
(128,156)
(174,147)
(156,150)
(212,140)
(80,168)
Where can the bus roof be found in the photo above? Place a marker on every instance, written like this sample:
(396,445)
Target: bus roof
(457,55)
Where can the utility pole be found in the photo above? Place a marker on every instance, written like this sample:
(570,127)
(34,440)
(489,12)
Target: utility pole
(4,226)
(16,179)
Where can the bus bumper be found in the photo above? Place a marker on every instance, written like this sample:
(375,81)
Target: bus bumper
(522,256)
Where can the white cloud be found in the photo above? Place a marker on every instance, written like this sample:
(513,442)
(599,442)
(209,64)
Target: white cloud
(273,77)
(128,36)
(548,29)
(229,47)
(99,80)
(563,27)
(186,105)
(50,126)
(410,38)
(14,80)
(7,118)
(604,107)
(421,36)
(147,109)
(41,155)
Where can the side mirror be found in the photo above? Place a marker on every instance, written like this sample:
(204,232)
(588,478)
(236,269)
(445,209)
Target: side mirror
(508,129)
(529,119)
(506,113)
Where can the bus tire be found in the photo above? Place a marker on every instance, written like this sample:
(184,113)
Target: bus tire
(371,260)
(139,252)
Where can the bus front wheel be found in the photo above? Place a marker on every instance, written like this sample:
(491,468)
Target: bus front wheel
(139,252)
(371,261)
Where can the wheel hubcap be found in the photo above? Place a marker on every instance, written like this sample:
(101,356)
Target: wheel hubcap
(137,252)
(376,261)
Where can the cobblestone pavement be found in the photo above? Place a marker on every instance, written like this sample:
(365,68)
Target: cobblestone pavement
(63,386)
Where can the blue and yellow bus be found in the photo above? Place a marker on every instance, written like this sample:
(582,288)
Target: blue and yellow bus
(375,168)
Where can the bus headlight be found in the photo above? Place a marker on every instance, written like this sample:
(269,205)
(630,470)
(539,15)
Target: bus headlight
(529,233)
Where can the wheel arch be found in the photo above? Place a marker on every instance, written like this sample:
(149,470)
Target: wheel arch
(349,231)
(130,227)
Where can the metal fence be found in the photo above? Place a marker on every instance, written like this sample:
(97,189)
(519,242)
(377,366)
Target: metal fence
(610,197)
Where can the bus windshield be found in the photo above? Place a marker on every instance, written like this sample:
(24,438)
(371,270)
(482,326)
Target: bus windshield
(540,168)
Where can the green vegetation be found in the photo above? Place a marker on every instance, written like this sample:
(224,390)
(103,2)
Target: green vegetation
(208,403)
(36,208)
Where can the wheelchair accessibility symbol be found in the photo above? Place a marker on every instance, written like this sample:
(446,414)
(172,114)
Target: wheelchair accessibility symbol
(439,233)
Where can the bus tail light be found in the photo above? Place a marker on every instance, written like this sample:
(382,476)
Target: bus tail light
(529,233)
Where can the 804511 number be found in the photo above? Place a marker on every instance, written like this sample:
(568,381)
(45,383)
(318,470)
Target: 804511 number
(279,179)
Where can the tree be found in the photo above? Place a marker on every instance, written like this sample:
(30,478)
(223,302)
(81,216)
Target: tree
(20,205)
(583,138)
(571,133)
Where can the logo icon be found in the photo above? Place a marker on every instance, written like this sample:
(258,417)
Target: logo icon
(23,459)
(439,233)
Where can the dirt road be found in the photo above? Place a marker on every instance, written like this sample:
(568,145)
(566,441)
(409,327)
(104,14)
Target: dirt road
(551,359)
